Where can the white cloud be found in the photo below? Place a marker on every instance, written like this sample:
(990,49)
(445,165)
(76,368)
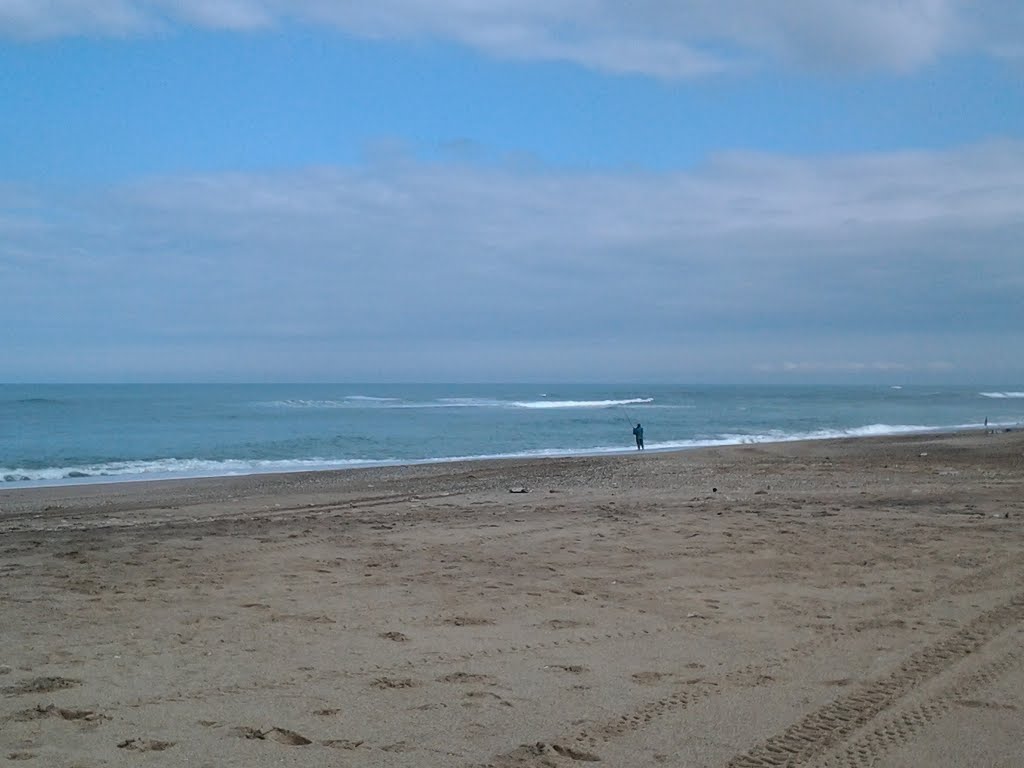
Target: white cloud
(59,18)
(912,258)
(652,37)
(734,193)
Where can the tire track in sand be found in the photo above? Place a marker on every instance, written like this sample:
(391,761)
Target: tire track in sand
(828,726)
(935,658)
(904,726)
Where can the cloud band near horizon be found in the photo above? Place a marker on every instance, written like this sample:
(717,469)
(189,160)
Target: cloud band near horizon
(742,266)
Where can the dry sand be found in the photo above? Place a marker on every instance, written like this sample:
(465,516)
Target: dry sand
(846,603)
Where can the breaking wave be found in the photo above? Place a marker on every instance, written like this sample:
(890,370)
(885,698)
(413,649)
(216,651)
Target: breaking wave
(366,401)
(117,471)
(581,403)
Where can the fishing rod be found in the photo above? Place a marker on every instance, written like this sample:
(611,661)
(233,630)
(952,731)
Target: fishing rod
(626,416)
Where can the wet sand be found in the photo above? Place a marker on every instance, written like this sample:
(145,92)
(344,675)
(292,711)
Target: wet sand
(834,603)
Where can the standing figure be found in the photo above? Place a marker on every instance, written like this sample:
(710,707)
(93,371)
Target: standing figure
(638,433)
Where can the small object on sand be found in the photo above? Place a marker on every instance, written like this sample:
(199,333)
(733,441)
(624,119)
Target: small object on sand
(695,616)
(923,454)
(714,490)
(145,745)
(519,489)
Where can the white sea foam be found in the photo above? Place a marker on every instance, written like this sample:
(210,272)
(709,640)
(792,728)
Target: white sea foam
(351,401)
(461,402)
(581,403)
(296,403)
(1002,395)
(117,471)
(487,402)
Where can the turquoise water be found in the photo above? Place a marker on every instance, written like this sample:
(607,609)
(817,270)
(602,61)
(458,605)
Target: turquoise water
(53,434)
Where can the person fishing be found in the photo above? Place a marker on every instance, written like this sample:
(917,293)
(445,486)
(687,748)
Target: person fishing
(638,433)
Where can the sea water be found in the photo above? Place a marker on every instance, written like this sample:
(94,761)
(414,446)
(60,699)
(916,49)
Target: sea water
(58,434)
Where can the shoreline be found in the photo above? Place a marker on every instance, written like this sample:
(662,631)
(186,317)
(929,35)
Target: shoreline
(230,490)
(456,462)
(713,607)
(537,455)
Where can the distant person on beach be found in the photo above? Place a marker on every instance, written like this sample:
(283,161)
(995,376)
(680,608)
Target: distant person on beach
(638,433)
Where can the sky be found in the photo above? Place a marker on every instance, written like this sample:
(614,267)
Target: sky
(540,190)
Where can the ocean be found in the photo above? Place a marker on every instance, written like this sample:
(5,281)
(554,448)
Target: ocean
(64,434)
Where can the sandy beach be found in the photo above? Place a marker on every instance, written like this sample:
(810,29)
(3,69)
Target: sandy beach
(832,603)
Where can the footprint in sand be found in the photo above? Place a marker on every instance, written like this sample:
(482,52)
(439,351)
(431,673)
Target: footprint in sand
(526,752)
(387,683)
(467,677)
(467,621)
(280,735)
(573,669)
(564,624)
(398,746)
(40,712)
(976,704)
(484,698)
(40,685)
(649,678)
(145,745)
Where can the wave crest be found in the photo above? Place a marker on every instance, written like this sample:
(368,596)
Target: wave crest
(117,471)
(581,403)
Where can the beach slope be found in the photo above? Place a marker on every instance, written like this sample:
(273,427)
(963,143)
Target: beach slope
(832,603)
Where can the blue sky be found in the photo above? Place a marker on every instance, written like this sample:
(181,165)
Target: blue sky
(254,190)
